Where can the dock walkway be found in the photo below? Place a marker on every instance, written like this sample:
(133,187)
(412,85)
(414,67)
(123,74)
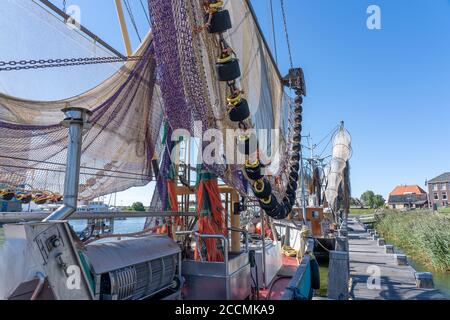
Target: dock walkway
(396,282)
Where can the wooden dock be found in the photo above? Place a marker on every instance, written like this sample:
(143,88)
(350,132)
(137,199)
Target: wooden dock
(396,282)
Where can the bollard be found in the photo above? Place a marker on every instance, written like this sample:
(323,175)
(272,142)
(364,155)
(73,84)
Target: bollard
(401,259)
(381,242)
(389,248)
(338,276)
(424,280)
(341,244)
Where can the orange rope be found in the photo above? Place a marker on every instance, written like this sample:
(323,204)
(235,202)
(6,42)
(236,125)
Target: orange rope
(214,224)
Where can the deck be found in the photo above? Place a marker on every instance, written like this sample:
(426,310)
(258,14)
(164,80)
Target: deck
(397,282)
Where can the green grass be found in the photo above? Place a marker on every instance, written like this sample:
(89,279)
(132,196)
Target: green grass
(444,210)
(423,235)
(2,237)
(323,291)
(360,212)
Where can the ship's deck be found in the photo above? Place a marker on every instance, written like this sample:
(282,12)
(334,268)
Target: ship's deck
(276,289)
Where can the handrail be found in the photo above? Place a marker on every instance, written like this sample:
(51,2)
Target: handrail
(12,217)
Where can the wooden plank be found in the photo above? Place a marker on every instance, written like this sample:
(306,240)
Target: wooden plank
(397,282)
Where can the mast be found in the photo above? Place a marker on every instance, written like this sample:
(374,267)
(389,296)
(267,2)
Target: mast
(123,28)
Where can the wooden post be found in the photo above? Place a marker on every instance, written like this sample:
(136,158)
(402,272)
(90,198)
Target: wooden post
(338,275)
(401,259)
(123,27)
(424,280)
(235,223)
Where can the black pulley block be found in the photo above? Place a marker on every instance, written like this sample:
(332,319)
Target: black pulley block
(240,112)
(269,203)
(247,145)
(295,166)
(298,128)
(292,198)
(229,70)
(287,205)
(299,100)
(262,189)
(254,173)
(278,213)
(297,137)
(295,157)
(296,147)
(294,175)
(220,21)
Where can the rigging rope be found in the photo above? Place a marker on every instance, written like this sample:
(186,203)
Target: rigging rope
(145,12)
(286,33)
(133,21)
(273,32)
(63,165)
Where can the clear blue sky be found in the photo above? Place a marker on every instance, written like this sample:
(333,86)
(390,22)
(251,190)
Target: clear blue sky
(390,86)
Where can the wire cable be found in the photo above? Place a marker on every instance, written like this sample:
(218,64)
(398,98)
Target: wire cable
(145,12)
(286,33)
(273,32)
(133,21)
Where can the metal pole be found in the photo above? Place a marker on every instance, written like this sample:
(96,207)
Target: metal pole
(76,120)
(123,27)
(303,187)
(263,239)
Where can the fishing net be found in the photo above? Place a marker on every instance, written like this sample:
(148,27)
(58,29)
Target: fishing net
(126,121)
(341,154)
(194,99)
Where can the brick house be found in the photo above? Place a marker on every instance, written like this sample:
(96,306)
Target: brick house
(439,190)
(408,197)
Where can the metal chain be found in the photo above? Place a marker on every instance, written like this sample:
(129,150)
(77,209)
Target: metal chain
(53,63)
(286,33)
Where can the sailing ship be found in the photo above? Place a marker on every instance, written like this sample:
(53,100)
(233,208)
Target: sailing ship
(225,230)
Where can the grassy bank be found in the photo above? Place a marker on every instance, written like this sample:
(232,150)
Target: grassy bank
(423,235)
(360,212)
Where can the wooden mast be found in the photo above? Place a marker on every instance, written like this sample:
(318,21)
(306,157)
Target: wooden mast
(123,27)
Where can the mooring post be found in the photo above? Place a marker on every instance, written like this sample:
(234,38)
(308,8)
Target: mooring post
(389,248)
(401,259)
(424,280)
(76,120)
(338,275)
(381,242)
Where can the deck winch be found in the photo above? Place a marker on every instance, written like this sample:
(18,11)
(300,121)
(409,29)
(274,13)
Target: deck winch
(134,269)
(128,269)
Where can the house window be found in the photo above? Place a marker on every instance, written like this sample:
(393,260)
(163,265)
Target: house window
(436,196)
(444,196)
(435,187)
(444,186)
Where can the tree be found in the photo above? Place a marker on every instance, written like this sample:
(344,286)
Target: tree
(378,201)
(138,206)
(367,198)
(372,200)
